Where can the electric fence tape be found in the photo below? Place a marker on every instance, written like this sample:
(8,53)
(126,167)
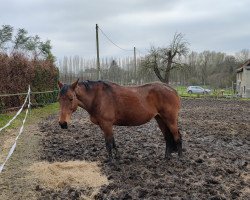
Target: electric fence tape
(21,129)
(19,111)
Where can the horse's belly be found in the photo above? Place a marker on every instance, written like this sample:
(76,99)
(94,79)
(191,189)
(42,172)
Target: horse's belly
(134,120)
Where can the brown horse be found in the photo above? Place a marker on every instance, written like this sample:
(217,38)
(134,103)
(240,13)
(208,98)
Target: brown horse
(110,104)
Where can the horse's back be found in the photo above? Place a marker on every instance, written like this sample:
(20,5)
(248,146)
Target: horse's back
(135,105)
(154,94)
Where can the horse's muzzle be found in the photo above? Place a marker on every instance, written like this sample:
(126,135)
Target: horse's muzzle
(63,125)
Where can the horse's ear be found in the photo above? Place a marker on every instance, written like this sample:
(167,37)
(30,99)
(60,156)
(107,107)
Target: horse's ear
(73,85)
(60,85)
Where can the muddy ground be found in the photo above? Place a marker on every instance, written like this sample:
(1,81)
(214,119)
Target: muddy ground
(16,183)
(215,165)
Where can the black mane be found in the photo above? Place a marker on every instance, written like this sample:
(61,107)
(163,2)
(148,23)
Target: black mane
(64,89)
(90,84)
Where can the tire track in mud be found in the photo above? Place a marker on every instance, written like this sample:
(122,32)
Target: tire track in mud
(215,164)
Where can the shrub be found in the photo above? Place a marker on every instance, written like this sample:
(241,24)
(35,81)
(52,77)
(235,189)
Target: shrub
(17,72)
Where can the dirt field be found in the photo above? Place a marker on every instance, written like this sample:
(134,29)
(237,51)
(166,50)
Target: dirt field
(215,165)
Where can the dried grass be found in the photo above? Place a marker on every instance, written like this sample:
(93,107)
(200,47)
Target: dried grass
(73,173)
(8,141)
(246,190)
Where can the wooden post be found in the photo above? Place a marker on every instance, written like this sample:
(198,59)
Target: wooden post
(97,54)
(135,76)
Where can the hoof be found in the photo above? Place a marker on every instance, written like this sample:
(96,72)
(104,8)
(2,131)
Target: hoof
(108,160)
(168,152)
(117,156)
(181,159)
(168,157)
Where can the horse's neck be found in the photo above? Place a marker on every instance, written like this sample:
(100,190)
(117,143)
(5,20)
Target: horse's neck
(85,98)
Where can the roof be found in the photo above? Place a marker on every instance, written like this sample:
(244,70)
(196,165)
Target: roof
(244,65)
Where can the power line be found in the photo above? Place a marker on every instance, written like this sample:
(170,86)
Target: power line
(142,52)
(113,42)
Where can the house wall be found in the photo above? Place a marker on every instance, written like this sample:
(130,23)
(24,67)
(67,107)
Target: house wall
(238,83)
(245,84)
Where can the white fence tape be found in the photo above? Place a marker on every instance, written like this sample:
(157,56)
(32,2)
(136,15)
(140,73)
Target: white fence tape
(19,111)
(18,94)
(20,131)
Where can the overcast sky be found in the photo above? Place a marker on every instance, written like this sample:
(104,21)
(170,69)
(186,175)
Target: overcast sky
(216,25)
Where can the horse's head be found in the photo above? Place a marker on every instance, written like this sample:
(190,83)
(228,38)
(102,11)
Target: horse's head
(68,102)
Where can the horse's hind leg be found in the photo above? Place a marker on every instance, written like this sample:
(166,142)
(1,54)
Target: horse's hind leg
(167,136)
(171,135)
(173,127)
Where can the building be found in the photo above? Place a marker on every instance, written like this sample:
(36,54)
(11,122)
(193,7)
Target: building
(243,80)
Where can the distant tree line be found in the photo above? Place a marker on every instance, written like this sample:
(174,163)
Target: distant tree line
(176,64)
(215,69)
(119,70)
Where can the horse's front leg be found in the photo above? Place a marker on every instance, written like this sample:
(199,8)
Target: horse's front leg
(109,138)
(117,155)
(109,147)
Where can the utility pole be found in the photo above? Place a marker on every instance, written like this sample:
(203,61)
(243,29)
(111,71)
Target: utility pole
(97,54)
(135,61)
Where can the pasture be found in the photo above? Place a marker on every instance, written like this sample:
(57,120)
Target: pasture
(53,163)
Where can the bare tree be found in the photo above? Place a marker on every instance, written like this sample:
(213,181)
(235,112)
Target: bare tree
(243,55)
(163,60)
(205,58)
(115,72)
